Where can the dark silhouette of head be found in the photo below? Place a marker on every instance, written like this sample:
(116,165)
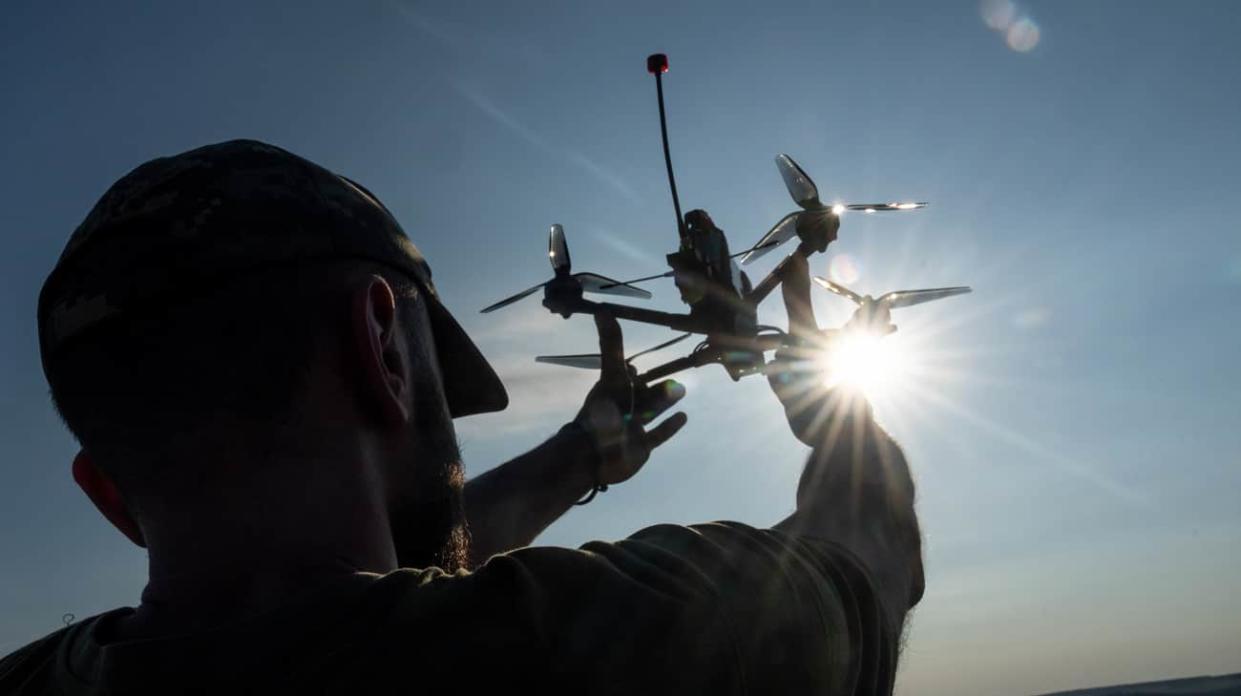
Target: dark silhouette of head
(259,371)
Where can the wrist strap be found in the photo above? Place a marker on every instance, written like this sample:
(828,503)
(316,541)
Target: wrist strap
(577,429)
(599,488)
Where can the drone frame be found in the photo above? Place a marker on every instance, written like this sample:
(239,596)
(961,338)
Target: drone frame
(815,225)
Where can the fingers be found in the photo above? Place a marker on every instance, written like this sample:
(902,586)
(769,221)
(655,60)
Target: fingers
(657,398)
(611,349)
(790,375)
(795,286)
(664,431)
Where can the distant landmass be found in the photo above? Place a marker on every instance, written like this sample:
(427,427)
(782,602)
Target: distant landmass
(1227,685)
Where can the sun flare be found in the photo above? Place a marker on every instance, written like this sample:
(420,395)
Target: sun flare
(866,362)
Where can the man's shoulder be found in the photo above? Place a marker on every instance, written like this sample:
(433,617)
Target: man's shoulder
(29,669)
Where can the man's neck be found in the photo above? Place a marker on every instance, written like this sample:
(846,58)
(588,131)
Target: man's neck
(227,562)
(182,605)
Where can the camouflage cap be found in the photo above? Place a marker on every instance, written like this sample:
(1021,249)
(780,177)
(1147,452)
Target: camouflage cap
(198,218)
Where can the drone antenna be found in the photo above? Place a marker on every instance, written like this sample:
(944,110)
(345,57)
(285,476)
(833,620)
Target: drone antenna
(657,65)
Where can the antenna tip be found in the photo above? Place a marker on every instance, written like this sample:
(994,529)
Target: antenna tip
(657,63)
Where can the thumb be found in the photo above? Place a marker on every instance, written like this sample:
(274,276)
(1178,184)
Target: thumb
(795,288)
(611,349)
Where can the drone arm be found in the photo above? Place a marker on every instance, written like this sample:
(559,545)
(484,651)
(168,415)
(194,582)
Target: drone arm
(696,359)
(676,322)
(766,285)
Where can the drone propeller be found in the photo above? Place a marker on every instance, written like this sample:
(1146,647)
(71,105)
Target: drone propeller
(839,289)
(558,251)
(643,279)
(893,300)
(594,361)
(562,266)
(908,298)
(877,207)
(803,191)
(510,300)
(586,361)
(781,232)
(801,187)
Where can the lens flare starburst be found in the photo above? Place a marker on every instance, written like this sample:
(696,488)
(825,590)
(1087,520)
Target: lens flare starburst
(865,362)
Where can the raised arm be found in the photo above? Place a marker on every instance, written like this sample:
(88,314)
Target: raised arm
(510,505)
(607,443)
(856,490)
(814,605)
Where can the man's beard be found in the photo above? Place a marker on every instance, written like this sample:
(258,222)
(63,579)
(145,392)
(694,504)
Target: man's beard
(429,529)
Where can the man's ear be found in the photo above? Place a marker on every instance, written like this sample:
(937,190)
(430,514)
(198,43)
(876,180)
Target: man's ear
(105,495)
(381,351)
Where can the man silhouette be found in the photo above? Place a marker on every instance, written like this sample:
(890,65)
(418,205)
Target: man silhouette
(263,381)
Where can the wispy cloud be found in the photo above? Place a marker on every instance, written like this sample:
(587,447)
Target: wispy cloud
(625,248)
(488,107)
(1090,472)
(516,324)
(604,175)
(453,39)
(533,138)
(541,397)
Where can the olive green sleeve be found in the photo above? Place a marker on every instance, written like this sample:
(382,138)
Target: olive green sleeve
(717,608)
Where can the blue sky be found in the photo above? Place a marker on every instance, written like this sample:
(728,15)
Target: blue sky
(1072,424)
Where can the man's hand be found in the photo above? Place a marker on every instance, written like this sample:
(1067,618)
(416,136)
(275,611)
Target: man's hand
(796,374)
(618,409)
(608,442)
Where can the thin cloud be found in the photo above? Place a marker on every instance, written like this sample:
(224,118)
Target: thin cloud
(515,324)
(604,175)
(450,38)
(503,118)
(541,397)
(488,107)
(626,248)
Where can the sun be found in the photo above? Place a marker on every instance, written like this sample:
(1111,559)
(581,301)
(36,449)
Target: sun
(866,362)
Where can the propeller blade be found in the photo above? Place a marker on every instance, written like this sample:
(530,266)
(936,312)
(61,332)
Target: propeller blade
(756,247)
(588,361)
(510,300)
(799,184)
(558,250)
(908,298)
(781,232)
(593,282)
(882,207)
(666,274)
(838,289)
(661,346)
(593,361)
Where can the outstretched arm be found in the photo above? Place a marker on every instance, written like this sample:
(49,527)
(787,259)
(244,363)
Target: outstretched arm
(856,490)
(608,442)
(513,503)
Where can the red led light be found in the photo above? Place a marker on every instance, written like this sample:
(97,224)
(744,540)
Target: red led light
(657,63)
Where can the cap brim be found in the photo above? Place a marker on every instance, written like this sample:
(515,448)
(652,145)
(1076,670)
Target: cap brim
(471,386)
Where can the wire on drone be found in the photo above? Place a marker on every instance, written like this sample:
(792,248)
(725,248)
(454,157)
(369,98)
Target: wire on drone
(657,65)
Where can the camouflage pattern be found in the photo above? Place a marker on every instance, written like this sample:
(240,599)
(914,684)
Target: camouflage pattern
(179,224)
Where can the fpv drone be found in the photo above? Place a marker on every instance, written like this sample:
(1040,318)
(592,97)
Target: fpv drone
(723,304)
